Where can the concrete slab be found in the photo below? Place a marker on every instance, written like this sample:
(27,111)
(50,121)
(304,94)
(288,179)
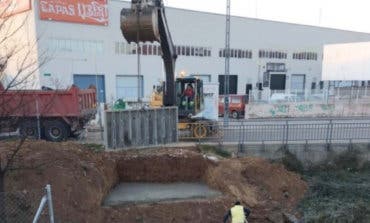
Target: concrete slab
(139,193)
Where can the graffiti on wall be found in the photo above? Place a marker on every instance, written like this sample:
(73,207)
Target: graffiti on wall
(304,107)
(279,109)
(328,107)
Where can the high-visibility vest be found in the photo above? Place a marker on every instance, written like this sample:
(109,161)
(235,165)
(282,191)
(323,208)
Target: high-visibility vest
(237,214)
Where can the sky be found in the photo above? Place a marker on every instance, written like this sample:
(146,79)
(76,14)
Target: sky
(341,14)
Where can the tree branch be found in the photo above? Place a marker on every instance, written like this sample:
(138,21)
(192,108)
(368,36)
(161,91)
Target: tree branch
(10,161)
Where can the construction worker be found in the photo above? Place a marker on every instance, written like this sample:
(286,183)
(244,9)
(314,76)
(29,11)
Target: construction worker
(238,214)
(188,100)
(189,91)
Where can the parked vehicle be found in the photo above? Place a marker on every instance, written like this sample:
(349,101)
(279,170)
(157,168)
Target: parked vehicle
(51,114)
(236,105)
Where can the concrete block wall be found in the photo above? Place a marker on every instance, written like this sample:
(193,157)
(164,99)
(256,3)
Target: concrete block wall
(307,109)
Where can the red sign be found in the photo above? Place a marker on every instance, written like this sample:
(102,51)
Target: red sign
(93,12)
(11,7)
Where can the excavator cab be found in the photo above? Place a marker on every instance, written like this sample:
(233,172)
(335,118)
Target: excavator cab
(190,99)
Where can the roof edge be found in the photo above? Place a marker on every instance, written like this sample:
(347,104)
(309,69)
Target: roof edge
(262,20)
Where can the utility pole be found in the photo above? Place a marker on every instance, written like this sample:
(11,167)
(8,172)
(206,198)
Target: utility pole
(227,65)
(138,52)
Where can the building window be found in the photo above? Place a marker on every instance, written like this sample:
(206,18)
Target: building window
(148,49)
(304,56)
(144,49)
(313,85)
(321,85)
(74,45)
(236,53)
(187,51)
(272,54)
(278,67)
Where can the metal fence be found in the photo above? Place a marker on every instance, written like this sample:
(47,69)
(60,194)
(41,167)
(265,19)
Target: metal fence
(26,206)
(244,132)
(143,127)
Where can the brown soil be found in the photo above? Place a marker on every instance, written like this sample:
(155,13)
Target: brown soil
(150,166)
(81,179)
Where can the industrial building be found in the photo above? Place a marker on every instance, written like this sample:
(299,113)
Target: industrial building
(84,44)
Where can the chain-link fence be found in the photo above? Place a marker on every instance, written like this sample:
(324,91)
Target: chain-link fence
(26,206)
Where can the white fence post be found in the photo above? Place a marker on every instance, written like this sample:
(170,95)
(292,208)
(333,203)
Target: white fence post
(39,210)
(50,203)
(47,198)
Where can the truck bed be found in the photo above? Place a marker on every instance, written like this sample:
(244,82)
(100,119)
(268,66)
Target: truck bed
(72,102)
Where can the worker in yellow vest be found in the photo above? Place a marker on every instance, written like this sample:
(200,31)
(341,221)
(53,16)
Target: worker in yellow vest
(238,214)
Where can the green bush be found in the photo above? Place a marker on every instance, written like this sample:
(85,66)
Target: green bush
(337,196)
(291,162)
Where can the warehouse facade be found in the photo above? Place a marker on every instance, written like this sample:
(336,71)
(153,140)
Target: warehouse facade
(85,46)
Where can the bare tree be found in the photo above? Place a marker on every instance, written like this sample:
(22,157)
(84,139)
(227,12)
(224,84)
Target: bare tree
(19,62)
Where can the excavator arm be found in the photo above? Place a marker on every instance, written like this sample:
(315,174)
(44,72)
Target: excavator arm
(146,21)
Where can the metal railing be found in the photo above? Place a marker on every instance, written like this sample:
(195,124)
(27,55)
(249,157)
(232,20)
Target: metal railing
(244,132)
(24,206)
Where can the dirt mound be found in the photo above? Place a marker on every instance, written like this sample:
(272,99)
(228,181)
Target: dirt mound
(269,189)
(81,178)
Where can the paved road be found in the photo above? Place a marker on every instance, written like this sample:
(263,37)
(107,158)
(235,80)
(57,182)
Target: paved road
(277,130)
(136,193)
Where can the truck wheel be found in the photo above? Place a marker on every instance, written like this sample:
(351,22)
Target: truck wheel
(235,114)
(28,129)
(56,131)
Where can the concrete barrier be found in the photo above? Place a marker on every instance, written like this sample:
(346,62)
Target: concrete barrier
(138,128)
(306,109)
(312,154)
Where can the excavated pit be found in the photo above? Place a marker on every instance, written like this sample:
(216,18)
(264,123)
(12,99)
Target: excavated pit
(160,177)
(83,176)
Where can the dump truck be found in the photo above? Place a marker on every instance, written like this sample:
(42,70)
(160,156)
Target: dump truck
(53,115)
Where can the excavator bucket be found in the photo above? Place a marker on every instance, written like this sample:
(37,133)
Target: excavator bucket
(146,22)
(140,25)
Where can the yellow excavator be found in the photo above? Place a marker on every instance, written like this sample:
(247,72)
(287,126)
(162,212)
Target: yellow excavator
(146,21)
